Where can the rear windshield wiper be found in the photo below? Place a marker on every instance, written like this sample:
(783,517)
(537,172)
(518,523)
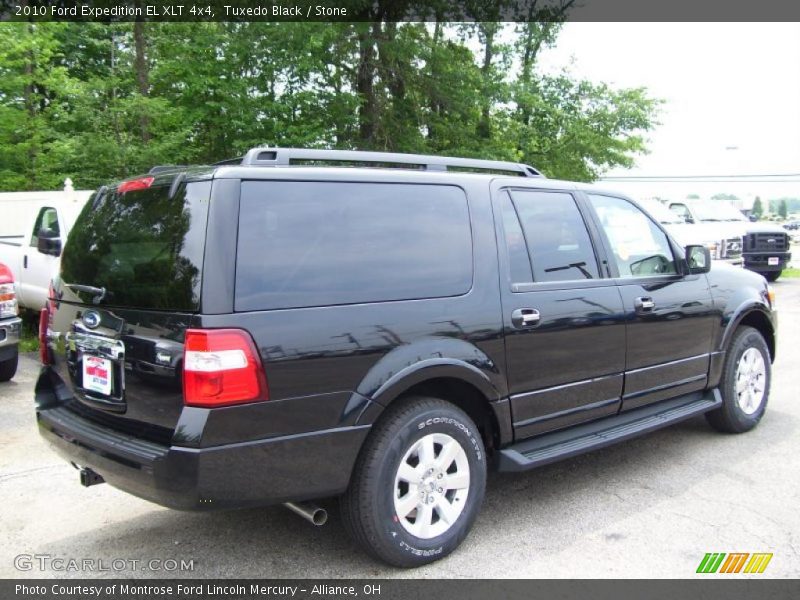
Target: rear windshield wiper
(97,293)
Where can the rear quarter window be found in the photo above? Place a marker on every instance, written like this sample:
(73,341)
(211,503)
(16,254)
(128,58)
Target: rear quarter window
(304,244)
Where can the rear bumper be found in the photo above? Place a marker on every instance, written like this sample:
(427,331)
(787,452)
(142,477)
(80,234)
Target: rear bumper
(759,261)
(292,468)
(9,337)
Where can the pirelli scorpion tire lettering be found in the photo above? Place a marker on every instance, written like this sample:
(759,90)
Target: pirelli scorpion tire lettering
(418,483)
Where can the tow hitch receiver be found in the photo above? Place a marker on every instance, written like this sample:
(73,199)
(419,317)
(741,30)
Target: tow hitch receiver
(89,477)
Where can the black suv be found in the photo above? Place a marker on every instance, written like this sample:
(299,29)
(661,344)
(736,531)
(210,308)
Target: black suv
(276,329)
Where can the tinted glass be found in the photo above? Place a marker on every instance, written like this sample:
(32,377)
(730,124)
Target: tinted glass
(558,243)
(518,260)
(145,248)
(638,246)
(322,243)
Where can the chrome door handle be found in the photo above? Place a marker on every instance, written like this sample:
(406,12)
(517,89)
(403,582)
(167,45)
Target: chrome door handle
(644,304)
(525,317)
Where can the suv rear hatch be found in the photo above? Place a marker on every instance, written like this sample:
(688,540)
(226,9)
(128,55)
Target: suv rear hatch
(129,289)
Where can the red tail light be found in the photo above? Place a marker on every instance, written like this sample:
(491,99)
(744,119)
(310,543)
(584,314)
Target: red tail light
(44,323)
(222,367)
(6,276)
(135,184)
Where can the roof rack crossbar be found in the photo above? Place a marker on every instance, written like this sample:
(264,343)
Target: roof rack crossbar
(281,157)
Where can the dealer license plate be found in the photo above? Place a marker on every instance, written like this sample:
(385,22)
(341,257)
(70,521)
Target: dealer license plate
(97,374)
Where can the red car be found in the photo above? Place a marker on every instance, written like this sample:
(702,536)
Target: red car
(9,325)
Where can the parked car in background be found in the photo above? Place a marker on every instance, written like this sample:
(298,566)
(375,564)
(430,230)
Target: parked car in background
(724,249)
(34,253)
(765,246)
(9,325)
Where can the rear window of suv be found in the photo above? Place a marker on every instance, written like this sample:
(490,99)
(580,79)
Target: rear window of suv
(304,244)
(144,247)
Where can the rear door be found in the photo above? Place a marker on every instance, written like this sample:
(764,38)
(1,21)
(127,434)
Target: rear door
(129,289)
(563,321)
(670,316)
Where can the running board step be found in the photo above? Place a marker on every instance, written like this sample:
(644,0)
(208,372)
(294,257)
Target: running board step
(550,447)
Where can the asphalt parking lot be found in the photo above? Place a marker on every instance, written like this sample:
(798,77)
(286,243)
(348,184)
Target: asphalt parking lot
(648,508)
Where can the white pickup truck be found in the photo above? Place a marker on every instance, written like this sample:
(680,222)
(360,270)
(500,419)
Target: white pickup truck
(34,256)
(724,246)
(765,246)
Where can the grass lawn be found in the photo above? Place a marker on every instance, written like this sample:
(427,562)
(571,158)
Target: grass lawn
(791,273)
(29,336)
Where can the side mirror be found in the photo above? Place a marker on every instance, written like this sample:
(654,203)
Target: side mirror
(688,219)
(698,258)
(46,244)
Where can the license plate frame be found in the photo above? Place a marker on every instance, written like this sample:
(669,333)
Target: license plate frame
(98,374)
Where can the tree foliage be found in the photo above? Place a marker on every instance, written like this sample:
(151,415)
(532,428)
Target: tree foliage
(100,102)
(758,208)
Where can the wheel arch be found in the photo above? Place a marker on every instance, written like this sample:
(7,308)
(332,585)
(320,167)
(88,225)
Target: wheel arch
(453,380)
(755,317)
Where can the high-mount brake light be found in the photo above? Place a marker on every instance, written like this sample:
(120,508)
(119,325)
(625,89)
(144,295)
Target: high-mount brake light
(135,184)
(222,367)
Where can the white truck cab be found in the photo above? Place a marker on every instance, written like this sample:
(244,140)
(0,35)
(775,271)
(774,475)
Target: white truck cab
(34,253)
(724,245)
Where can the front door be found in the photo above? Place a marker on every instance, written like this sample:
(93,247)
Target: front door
(563,321)
(670,315)
(39,268)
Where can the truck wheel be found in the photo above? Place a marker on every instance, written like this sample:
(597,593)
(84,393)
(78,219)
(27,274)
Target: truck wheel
(418,483)
(8,367)
(746,377)
(772,275)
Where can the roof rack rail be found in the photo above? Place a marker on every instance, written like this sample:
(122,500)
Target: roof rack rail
(281,157)
(164,168)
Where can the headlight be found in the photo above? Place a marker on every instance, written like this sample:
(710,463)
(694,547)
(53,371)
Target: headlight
(8,301)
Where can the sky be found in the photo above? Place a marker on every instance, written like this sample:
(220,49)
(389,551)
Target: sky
(731,92)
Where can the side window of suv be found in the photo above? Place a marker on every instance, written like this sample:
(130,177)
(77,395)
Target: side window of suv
(558,243)
(638,246)
(304,244)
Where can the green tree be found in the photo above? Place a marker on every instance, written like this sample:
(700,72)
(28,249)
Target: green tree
(758,208)
(783,210)
(97,102)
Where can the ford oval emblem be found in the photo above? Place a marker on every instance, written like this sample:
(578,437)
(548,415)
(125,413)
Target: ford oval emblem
(91,319)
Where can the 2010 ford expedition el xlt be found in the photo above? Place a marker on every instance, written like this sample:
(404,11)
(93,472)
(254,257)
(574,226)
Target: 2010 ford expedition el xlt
(276,329)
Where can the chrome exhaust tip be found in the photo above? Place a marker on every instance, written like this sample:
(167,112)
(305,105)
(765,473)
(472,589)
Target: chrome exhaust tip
(310,512)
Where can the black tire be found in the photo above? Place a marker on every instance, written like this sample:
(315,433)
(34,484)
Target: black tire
(772,275)
(368,509)
(731,417)
(8,367)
